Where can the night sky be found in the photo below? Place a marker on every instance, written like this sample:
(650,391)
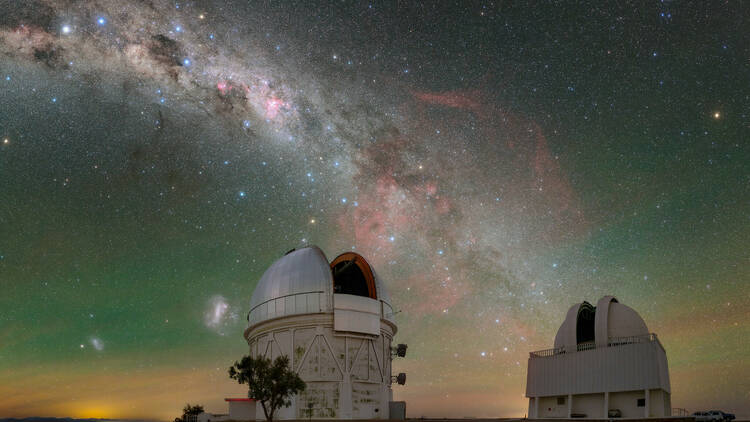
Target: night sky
(495,161)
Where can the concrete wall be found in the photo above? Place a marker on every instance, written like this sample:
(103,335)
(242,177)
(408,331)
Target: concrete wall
(591,405)
(348,375)
(627,402)
(620,368)
(548,408)
(660,403)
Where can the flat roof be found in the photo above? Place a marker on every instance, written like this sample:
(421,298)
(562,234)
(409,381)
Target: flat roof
(243,399)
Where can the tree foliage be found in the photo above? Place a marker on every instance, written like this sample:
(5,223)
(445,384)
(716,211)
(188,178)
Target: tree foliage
(270,383)
(189,410)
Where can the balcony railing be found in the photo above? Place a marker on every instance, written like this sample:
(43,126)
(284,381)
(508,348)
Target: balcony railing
(611,342)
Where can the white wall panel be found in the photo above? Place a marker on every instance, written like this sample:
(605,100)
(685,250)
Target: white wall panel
(618,368)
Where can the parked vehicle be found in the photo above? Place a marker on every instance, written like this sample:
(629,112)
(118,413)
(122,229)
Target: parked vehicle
(701,416)
(713,416)
(614,413)
(724,416)
(730,416)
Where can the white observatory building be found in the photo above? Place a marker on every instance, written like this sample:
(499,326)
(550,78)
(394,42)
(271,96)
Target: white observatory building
(335,322)
(605,364)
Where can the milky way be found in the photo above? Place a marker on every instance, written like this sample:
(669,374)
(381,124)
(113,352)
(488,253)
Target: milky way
(495,163)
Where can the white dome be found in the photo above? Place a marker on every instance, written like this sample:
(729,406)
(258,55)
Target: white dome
(611,319)
(566,334)
(624,321)
(301,282)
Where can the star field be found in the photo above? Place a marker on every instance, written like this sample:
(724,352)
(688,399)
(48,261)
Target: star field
(495,162)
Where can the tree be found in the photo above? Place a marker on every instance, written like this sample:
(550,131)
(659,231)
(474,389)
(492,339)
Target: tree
(270,383)
(189,410)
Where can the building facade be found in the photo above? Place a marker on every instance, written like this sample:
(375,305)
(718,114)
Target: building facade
(605,363)
(335,323)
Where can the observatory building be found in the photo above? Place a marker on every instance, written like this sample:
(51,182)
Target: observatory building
(605,364)
(335,323)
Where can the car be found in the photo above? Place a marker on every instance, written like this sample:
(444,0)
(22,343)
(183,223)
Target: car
(713,416)
(701,416)
(614,413)
(721,415)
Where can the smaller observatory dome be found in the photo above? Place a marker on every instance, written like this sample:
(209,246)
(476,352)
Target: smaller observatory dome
(585,323)
(303,282)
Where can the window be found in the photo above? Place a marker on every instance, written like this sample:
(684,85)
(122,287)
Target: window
(585,323)
(352,275)
(641,402)
(561,400)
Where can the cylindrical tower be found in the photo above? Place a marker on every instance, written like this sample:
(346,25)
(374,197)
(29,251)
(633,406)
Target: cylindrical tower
(335,322)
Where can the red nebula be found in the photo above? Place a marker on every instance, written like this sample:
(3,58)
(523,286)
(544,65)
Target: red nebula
(223,87)
(273,105)
(524,141)
(455,99)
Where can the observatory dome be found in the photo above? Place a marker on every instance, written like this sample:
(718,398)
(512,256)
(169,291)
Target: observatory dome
(609,318)
(334,321)
(303,282)
(605,364)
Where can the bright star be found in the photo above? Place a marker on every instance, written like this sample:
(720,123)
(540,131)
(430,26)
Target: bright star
(186,62)
(101,21)
(717,115)
(66,29)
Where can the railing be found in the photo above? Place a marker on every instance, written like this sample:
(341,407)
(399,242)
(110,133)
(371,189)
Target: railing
(616,341)
(252,314)
(678,411)
(611,342)
(547,352)
(386,310)
(586,346)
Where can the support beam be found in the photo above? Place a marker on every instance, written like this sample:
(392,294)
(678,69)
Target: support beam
(536,407)
(570,405)
(606,404)
(646,411)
